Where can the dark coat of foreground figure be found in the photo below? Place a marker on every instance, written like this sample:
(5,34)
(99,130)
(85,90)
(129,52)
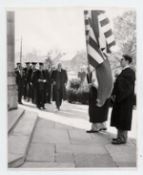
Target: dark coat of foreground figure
(124,100)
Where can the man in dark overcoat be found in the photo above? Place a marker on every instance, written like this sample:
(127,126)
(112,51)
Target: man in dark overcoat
(123,101)
(41,87)
(59,79)
(28,72)
(48,72)
(19,81)
(33,82)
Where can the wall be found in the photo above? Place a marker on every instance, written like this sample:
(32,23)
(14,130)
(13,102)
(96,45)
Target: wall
(12,91)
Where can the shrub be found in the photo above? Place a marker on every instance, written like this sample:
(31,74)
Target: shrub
(75,93)
(74,83)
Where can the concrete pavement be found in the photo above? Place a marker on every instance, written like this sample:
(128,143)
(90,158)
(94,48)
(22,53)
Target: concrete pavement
(60,141)
(20,135)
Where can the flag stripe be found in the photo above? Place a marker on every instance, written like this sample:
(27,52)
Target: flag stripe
(86,21)
(85,12)
(95,54)
(110,39)
(102,16)
(87,32)
(92,61)
(104,22)
(112,44)
(106,28)
(108,33)
(95,46)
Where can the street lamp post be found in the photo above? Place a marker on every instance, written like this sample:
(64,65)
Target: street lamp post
(21,51)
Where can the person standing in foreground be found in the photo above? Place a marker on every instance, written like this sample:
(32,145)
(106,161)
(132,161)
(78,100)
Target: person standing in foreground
(98,115)
(123,101)
(59,79)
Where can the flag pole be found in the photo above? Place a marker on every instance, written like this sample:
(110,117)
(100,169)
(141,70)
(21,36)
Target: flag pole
(21,51)
(86,39)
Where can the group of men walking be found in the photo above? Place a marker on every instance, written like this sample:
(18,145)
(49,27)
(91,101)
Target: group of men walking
(41,85)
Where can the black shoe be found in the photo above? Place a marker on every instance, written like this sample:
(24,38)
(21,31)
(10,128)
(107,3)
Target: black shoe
(92,131)
(114,139)
(102,129)
(118,142)
(20,103)
(39,107)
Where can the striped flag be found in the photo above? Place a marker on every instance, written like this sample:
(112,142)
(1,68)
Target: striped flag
(99,40)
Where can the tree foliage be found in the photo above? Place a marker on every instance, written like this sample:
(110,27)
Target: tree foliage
(125,33)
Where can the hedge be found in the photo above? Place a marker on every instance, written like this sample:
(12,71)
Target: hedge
(77,93)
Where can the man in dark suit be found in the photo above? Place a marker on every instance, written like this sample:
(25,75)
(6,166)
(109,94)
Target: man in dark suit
(59,79)
(33,82)
(123,101)
(41,87)
(19,81)
(48,83)
(27,72)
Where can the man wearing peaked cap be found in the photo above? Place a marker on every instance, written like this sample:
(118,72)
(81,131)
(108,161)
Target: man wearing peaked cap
(28,72)
(41,64)
(41,83)
(27,64)
(19,81)
(34,63)
(48,72)
(33,82)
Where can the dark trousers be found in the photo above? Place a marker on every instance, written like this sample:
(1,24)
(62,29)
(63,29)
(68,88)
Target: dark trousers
(33,93)
(28,91)
(24,91)
(122,135)
(49,93)
(41,96)
(59,95)
(19,94)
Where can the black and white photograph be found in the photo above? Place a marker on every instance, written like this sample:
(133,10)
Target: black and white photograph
(71,87)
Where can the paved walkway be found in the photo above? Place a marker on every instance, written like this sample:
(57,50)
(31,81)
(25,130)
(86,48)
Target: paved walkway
(60,141)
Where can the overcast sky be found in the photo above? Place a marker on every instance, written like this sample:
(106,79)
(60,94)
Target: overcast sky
(53,28)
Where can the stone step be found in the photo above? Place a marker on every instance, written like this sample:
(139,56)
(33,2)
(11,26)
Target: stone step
(13,118)
(19,139)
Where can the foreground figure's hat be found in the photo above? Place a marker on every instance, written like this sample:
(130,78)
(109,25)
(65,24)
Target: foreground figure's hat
(18,63)
(34,63)
(40,63)
(27,62)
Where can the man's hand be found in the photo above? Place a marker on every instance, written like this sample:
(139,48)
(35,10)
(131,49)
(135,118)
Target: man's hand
(113,98)
(98,103)
(54,82)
